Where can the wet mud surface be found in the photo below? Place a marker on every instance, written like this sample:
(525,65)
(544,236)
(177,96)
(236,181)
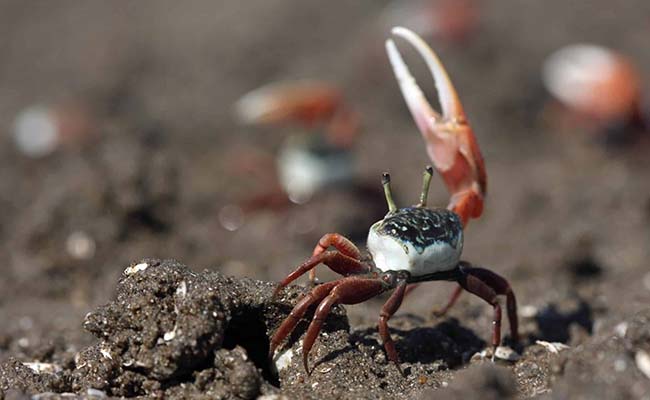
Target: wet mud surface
(567,218)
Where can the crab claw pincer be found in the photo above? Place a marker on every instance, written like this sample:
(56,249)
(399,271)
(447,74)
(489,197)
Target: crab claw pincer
(450,141)
(297,101)
(306,102)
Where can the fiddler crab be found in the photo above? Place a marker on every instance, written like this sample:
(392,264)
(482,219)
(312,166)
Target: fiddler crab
(317,156)
(412,244)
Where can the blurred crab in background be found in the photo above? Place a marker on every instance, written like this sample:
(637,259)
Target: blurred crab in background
(413,244)
(320,154)
(599,87)
(317,155)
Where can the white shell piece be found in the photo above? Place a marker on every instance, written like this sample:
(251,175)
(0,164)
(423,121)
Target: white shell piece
(390,254)
(136,268)
(284,360)
(553,347)
(104,352)
(169,335)
(40,367)
(181,290)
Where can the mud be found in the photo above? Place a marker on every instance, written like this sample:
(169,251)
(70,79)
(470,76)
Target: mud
(175,333)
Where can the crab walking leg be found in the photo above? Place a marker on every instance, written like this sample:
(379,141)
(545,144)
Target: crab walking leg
(488,286)
(389,308)
(458,290)
(316,295)
(351,290)
(337,261)
(340,243)
(450,141)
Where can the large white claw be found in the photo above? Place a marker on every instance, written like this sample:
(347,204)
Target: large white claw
(438,130)
(450,142)
(449,101)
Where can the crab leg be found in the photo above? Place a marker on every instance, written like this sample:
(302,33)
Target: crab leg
(389,308)
(337,261)
(452,300)
(351,290)
(315,296)
(450,141)
(488,286)
(338,241)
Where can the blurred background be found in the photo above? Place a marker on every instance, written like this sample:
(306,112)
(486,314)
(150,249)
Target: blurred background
(119,140)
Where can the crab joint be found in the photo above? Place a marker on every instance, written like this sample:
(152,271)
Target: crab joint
(426,181)
(385,181)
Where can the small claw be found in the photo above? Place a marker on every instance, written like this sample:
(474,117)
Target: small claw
(307,102)
(594,81)
(450,141)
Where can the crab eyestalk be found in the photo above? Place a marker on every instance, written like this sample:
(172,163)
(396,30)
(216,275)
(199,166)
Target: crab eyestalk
(426,181)
(385,182)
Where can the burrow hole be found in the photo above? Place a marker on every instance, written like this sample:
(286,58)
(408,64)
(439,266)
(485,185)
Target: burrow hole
(247,329)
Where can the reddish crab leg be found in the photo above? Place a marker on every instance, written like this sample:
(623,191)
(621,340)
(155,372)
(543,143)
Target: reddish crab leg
(389,308)
(299,310)
(338,241)
(452,300)
(351,290)
(337,261)
(488,285)
(450,142)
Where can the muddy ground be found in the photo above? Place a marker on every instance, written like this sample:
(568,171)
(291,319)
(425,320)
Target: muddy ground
(567,218)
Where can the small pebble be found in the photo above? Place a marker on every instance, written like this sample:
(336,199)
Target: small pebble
(553,347)
(506,353)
